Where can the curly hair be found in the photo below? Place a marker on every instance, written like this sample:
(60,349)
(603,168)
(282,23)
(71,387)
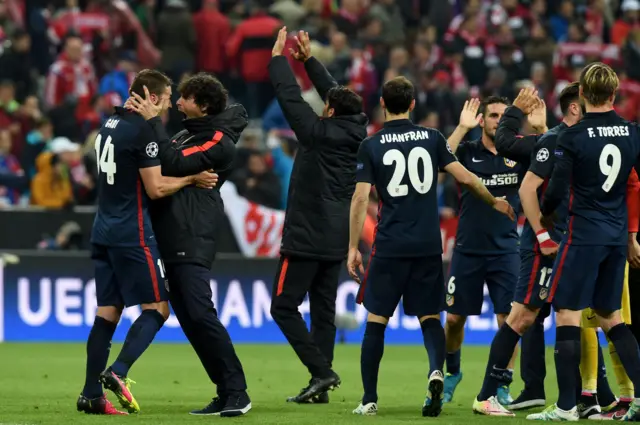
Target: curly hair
(207,92)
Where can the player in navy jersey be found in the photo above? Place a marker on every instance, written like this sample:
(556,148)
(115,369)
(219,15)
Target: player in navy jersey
(537,248)
(128,268)
(402,162)
(593,159)
(486,248)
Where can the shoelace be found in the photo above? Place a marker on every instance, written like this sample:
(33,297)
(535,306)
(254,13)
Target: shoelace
(128,382)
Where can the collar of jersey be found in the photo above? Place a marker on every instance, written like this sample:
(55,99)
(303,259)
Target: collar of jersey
(600,114)
(482,148)
(397,123)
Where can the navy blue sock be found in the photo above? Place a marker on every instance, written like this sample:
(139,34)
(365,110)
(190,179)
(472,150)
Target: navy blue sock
(433,336)
(453,362)
(605,395)
(500,353)
(370,356)
(139,337)
(98,346)
(532,359)
(627,348)
(567,358)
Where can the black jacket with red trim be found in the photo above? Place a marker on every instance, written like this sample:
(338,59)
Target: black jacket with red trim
(324,171)
(186,224)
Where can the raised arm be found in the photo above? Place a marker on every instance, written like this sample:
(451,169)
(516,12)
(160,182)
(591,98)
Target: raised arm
(299,114)
(469,119)
(320,77)
(508,141)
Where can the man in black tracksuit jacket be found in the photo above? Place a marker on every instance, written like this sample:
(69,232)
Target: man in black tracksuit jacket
(316,229)
(186,225)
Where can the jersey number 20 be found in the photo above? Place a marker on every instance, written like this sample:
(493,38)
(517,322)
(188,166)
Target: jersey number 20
(395,186)
(106,161)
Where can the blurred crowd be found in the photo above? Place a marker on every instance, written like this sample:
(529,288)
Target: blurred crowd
(65,64)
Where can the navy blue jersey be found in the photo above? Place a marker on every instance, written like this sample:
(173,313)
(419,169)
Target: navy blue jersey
(593,161)
(542,160)
(124,144)
(402,162)
(481,229)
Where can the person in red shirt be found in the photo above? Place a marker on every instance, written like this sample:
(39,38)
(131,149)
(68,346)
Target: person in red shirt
(213,29)
(249,51)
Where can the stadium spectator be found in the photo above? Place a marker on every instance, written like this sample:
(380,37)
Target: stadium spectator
(560,22)
(51,186)
(282,152)
(36,142)
(176,39)
(116,83)
(9,167)
(258,183)
(628,20)
(15,64)
(213,30)
(71,77)
(249,51)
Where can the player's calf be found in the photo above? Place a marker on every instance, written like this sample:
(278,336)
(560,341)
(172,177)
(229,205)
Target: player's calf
(433,402)
(454,334)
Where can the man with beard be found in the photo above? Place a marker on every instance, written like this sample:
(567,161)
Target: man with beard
(486,247)
(187,227)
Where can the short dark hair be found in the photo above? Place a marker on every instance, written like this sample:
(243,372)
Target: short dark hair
(398,93)
(492,100)
(568,95)
(156,82)
(207,92)
(344,101)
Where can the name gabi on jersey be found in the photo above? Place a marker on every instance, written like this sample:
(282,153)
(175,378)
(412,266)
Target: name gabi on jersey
(111,123)
(501,180)
(613,131)
(404,137)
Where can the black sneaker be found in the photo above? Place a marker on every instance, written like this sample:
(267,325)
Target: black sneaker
(213,408)
(97,406)
(527,400)
(588,406)
(236,405)
(316,387)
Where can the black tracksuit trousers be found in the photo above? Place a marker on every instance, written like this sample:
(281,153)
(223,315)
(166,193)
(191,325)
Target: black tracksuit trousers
(295,278)
(190,296)
(634,301)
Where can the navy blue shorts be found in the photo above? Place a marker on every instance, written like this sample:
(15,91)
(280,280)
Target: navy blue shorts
(128,276)
(419,282)
(588,276)
(469,273)
(534,282)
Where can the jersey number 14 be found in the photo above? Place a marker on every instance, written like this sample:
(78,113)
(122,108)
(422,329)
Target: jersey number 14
(395,186)
(106,160)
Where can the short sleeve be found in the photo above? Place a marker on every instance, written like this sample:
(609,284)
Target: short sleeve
(542,157)
(147,149)
(364,167)
(445,154)
(564,144)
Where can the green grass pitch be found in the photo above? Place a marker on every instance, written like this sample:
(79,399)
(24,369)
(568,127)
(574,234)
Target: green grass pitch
(39,384)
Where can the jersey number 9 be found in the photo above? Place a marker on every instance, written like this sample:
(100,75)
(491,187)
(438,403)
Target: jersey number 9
(106,161)
(611,171)
(395,186)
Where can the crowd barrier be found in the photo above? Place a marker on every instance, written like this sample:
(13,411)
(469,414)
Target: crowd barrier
(51,297)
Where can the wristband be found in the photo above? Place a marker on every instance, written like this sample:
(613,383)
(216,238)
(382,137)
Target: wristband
(544,239)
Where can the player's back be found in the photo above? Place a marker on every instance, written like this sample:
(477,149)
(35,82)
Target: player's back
(123,147)
(604,148)
(405,160)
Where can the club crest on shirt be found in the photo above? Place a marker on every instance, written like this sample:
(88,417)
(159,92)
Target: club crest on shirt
(509,163)
(450,300)
(544,292)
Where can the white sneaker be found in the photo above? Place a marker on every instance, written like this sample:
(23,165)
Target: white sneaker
(369,409)
(554,413)
(490,407)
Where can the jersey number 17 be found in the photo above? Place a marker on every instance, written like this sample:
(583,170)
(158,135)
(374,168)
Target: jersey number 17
(395,187)
(106,160)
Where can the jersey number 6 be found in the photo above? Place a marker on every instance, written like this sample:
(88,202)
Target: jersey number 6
(106,161)
(395,186)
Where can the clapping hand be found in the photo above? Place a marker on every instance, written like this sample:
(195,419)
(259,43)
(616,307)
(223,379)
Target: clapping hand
(278,47)
(527,100)
(304,47)
(469,117)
